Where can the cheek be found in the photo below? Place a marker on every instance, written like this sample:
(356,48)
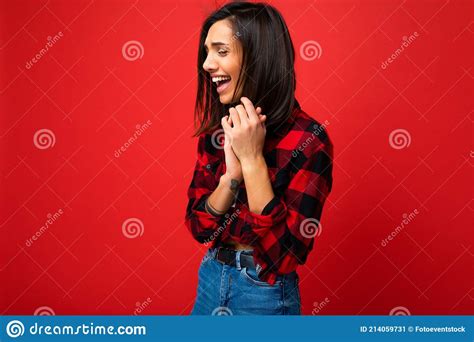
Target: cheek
(233,68)
(235,76)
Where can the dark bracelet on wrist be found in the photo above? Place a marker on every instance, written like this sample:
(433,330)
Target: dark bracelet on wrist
(211,210)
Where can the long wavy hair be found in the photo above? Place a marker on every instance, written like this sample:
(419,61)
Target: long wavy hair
(267,72)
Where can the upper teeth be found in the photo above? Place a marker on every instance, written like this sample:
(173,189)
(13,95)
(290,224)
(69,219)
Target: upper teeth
(220,78)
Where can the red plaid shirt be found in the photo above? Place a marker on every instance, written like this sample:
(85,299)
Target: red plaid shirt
(299,160)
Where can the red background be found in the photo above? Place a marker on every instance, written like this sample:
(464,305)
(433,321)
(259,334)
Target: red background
(92,98)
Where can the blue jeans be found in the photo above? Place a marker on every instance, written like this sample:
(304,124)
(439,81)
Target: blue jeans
(228,290)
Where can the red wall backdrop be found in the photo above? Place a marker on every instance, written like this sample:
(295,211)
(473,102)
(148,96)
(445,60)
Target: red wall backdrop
(109,229)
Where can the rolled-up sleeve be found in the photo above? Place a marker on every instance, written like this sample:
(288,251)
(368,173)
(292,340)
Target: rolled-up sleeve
(199,222)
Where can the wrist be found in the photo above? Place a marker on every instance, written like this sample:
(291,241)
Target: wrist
(253,163)
(227,178)
(211,210)
(230,183)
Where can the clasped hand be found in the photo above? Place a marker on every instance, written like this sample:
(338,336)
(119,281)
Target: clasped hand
(245,131)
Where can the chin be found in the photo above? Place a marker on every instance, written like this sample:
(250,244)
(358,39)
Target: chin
(227,97)
(224,99)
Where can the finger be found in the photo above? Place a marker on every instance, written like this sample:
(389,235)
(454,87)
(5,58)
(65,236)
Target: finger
(225,123)
(235,116)
(258,110)
(227,139)
(242,113)
(262,118)
(252,114)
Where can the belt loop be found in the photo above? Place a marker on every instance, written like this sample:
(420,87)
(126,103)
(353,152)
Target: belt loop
(212,252)
(237,260)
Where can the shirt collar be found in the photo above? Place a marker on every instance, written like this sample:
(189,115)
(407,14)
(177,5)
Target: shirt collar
(282,130)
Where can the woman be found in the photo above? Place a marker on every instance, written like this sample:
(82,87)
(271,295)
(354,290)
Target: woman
(264,167)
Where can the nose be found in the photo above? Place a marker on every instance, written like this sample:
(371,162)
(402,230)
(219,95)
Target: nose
(209,64)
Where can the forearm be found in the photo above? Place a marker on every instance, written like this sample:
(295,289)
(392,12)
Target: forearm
(223,196)
(257,184)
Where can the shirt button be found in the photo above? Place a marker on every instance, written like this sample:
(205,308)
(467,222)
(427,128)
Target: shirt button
(208,166)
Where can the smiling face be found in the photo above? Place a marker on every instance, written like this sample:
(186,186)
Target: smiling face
(223,60)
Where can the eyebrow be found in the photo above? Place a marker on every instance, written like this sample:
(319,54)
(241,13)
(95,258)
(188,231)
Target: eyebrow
(216,44)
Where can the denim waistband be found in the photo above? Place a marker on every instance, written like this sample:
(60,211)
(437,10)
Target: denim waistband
(212,252)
